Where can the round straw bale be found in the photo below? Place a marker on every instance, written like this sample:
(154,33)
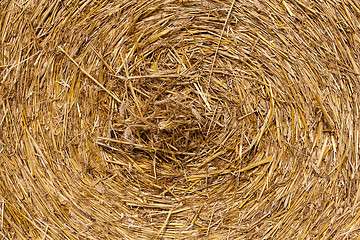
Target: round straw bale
(179,119)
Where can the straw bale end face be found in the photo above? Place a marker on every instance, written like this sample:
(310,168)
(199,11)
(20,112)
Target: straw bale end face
(179,119)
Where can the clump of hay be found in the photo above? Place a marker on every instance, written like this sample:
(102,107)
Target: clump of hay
(179,119)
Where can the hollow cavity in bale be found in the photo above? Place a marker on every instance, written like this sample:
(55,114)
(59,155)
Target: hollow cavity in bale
(178,107)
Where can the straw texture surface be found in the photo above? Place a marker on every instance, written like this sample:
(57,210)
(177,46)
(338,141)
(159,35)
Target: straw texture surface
(179,119)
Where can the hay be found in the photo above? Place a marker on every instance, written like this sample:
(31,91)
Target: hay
(179,119)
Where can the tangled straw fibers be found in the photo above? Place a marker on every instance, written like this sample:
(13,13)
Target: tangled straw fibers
(176,119)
